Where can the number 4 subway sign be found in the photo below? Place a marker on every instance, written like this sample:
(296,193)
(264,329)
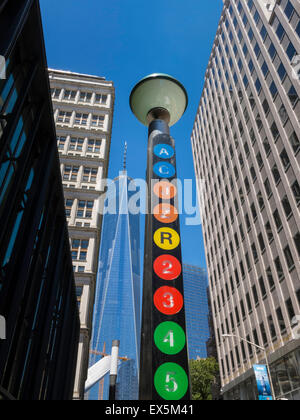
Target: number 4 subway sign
(163,267)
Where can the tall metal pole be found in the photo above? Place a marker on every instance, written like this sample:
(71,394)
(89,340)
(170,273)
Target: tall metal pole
(113,369)
(164,361)
(270,376)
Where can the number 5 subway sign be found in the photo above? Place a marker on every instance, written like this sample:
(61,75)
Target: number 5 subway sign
(164,362)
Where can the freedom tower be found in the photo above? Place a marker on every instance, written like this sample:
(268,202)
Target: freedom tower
(117,302)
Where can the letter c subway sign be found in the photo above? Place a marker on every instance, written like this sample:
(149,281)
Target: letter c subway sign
(169,348)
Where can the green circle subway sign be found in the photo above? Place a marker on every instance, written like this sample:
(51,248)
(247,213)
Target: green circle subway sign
(169,337)
(171,381)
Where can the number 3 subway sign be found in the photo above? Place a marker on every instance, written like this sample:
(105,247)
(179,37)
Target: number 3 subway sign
(169,346)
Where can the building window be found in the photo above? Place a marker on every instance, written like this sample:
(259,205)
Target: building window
(260,200)
(261,242)
(250,347)
(247,185)
(272,51)
(262,287)
(79,249)
(297,242)
(253,173)
(270,278)
(70,95)
(267,146)
(280,320)
(289,10)
(286,205)
(81,119)
(278,268)
(254,213)
(85,209)
(289,258)
(280,32)
(90,174)
(79,291)
(85,97)
(98,121)
(291,51)
(263,333)
(94,146)
(259,160)
(277,219)
(255,295)
(254,252)
(285,159)
(296,191)
(76,144)
(243,309)
(64,117)
(295,142)
(265,69)
(268,187)
(272,327)
(290,308)
(293,96)
(255,336)
(55,93)
(276,174)
(274,131)
(61,141)
(269,231)
(69,204)
(273,90)
(281,72)
(70,173)
(101,99)
(249,302)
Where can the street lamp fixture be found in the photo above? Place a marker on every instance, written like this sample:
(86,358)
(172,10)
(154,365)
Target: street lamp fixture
(158,95)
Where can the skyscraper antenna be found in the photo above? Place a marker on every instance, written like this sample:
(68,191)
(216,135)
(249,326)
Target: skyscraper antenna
(125,157)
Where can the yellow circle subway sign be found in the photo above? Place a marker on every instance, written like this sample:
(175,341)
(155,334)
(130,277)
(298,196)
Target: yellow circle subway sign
(166,238)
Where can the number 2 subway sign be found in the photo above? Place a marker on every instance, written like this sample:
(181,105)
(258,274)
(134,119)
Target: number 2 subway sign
(170,377)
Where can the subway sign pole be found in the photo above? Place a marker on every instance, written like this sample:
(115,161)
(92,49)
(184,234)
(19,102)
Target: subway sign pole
(159,101)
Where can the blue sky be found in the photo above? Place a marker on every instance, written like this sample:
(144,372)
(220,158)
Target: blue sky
(125,40)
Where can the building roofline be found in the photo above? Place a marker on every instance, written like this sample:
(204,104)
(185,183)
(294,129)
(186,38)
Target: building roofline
(71,73)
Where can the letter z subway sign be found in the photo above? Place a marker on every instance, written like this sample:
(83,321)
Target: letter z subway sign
(170,360)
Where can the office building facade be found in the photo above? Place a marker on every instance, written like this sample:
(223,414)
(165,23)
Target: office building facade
(38,352)
(196,310)
(83,113)
(117,305)
(246,147)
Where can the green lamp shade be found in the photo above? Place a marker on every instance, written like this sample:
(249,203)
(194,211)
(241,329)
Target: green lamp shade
(158,91)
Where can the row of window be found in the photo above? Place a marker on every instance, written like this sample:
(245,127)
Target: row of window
(81,119)
(79,144)
(70,173)
(79,96)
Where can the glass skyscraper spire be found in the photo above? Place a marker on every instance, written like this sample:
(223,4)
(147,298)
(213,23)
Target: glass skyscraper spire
(117,302)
